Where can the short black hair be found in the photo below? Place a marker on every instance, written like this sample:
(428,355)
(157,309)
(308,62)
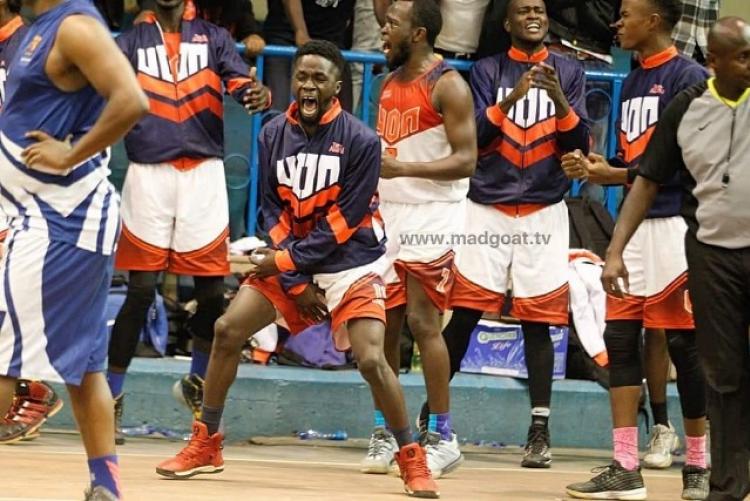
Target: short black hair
(426,14)
(14,6)
(324,49)
(670,10)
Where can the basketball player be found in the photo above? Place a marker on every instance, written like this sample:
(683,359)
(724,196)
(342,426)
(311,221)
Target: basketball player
(319,175)
(657,297)
(529,107)
(174,210)
(427,129)
(34,401)
(69,95)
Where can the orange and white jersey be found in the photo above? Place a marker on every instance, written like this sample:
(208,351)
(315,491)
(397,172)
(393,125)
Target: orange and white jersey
(413,131)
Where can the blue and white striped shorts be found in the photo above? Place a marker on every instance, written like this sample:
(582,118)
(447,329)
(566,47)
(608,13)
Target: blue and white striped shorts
(52,302)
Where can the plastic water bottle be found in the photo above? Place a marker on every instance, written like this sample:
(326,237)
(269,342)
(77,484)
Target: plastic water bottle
(316,435)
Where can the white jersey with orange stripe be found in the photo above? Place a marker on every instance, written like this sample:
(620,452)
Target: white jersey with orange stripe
(413,131)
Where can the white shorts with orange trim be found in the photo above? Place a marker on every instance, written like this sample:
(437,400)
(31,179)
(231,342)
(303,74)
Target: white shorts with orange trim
(528,251)
(350,294)
(175,220)
(657,276)
(420,243)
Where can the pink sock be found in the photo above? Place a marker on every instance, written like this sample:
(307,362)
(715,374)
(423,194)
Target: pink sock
(696,451)
(626,447)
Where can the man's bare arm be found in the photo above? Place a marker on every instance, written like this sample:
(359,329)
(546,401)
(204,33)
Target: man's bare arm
(637,203)
(296,17)
(381,7)
(88,46)
(452,98)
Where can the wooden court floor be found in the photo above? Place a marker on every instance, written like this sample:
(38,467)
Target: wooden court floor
(53,467)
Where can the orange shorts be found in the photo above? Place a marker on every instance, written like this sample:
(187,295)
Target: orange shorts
(435,277)
(420,245)
(350,294)
(657,276)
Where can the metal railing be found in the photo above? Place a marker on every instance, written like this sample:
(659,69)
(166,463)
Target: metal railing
(370,59)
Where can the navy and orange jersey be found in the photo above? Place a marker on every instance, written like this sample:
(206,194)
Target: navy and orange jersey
(646,92)
(184,78)
(319,194)
(519,154)
(10,39)
(412,130)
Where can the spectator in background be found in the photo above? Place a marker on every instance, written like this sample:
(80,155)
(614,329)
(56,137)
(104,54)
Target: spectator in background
(459,38)
(691,33)
(584,27)
(294,22)
(365,38)
(112,11)
(236,16)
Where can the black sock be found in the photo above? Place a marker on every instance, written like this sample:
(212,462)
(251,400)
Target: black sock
(211,417)
(403,437)
(659,410)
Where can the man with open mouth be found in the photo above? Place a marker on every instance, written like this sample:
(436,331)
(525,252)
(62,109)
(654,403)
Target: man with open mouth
(319,176)
(427,129)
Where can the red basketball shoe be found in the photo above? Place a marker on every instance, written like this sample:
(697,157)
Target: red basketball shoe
(33,403)
(201,455)
(418,482)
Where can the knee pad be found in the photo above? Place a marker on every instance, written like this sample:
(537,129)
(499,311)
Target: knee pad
(209,293)
(691,383)
(131,318)
(622,338)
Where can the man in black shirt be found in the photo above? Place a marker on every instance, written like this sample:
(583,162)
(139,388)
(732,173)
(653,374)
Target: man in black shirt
(296,22)
(703,137)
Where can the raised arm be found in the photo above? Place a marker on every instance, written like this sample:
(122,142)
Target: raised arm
(489,115)
(240,82)
(452,98)
(380,7)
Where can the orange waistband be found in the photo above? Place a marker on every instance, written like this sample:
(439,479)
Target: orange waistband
(519,210)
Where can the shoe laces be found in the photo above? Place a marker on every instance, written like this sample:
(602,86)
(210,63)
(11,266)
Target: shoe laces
(119,408)
(194,448)
(660,439)
(603,473)
(416,467)
(538,439)
(695,479)
(195,394)
(378,444)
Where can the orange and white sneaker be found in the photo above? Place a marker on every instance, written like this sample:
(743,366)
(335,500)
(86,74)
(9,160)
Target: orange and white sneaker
(33,403)
(418,482)
(42,393)
(201,455)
